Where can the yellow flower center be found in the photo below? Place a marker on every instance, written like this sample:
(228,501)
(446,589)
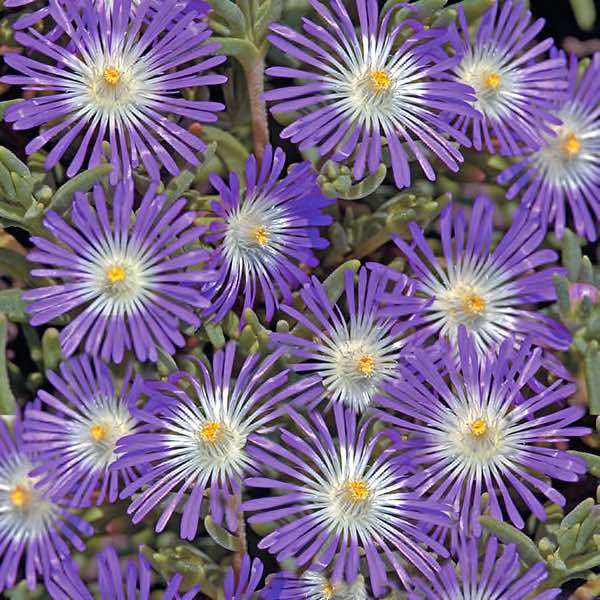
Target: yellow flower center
(366,365)
(261,236)
(357,490)
(571,145)
(211,431)
(473,304)
(380,80)
(478,427)
(116,274)
(19,496)
(112,76)
(493,81)
(98,432)
(328,591)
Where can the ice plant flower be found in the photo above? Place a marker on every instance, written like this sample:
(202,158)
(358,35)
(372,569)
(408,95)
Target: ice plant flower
(351,348)
(515,84)
(34,530)
(495,576)
(482,428)
(313,585)
(339,498)
(361,91)
(199,437)
(265,232)
(488,291)
(129,278)
(243,586)
(564,174)
(116,81)
(134,582)
(75,429)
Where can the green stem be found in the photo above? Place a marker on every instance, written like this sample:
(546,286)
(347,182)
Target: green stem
(255,79)
(242,544)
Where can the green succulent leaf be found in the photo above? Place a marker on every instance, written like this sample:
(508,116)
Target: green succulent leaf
(84,182)
(508,534)
(219,534)
(7,400)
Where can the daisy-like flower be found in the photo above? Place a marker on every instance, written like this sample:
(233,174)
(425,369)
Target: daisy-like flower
(361,91)
(134,582)
(488,291)
(313,585)
(339,498)
(496,576)
(565,172)
(483,429)
(34,530)
(75,431)
(201,427)
(352,355)
(116,81)
(265,232)
(129,277)
(515,85)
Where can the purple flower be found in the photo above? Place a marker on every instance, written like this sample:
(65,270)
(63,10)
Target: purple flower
(34,530)
(480,429)
(115,82)
(496,577)
(353,351)
(130,279)
(244,585)
(487,291)
(75,431)
(265,232)
(565,172)
(132,583)
(514,85)
(340,497)
(313,585)
(200,437)
(363,88)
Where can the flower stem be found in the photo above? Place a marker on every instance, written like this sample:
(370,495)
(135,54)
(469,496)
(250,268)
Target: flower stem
(242,545)
(255,79)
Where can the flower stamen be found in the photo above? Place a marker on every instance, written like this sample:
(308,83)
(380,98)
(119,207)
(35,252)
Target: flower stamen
(261,236)
(571,145)
(493,81)
(116,274)
(328,591)
(357,491)
(380,80)
(19,497)
(478,427)
(474,304)
(98,432)
(211,431)
(366,365)
(112,76)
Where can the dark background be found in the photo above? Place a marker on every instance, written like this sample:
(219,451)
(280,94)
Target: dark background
(560,21)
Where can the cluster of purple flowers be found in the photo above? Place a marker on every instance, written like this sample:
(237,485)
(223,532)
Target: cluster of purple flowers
(369,429)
